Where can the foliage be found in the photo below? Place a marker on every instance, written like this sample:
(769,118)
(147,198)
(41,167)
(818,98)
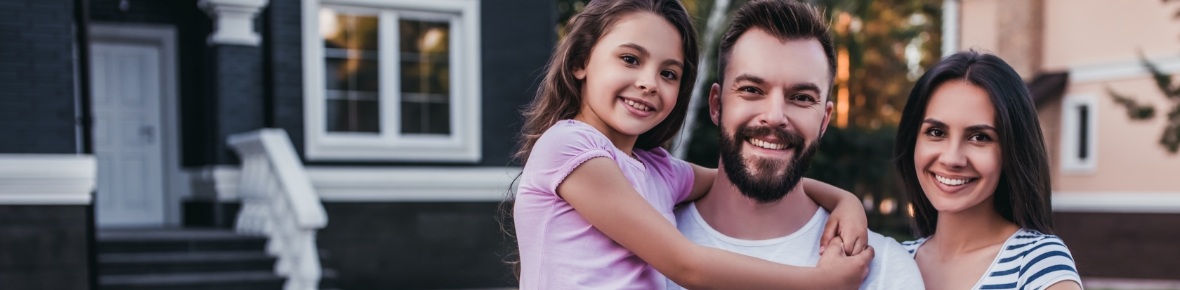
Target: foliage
(1170,139)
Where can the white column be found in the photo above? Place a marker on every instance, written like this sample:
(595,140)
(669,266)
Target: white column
(233,21)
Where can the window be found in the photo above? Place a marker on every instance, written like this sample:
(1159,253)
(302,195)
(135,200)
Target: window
(1079,136)
(391,80)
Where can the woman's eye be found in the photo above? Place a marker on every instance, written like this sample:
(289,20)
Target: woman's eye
(630,59)
(935,132)
(670,75)
(979,138)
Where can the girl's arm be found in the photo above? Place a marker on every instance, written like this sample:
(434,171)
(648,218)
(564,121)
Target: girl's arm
(601,195)
(702,180)
(847,220)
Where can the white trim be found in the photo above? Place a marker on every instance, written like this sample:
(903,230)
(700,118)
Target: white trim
(1117,202)
(217,182)
(950,27)
(400,184)
(175,177)
(47,179)
(464,143)
(1070,163)
(1126,69)
(233,21)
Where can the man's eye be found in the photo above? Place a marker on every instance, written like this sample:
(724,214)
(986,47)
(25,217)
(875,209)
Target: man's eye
(750,90)
(803,98)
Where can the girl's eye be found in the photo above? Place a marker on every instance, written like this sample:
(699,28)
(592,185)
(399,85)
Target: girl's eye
(670,75)
(979,137)
(935,132)
(630,59)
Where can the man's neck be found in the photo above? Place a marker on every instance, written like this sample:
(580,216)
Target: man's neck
(730,212)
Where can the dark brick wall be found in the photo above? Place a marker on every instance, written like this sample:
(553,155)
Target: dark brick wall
(283,71)
(409,245)
(517,41)
(37,76)
(1122,245)
(236,76)
(44,247)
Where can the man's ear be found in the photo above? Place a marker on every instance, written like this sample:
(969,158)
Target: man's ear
(827,118)
(715,103)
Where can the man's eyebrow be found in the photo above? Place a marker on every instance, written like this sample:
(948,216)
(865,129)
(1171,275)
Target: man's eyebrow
(804,87)
(749,78)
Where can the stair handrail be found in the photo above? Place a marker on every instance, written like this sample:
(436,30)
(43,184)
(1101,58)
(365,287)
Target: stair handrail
(278,201)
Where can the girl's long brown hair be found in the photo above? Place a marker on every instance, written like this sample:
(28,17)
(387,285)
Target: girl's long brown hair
(559,96)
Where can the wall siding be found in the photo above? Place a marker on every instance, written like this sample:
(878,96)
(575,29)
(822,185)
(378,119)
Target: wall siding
(44,247)
(37,103)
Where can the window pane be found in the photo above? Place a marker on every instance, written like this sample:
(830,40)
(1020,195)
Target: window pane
(352,115)
(426,118)
(351,71)
(425,76)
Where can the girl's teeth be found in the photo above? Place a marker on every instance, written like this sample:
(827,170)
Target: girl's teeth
(950,181)
(636,105)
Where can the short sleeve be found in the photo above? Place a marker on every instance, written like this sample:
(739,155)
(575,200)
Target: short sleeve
(1047,263)
(682,177)
(561,149)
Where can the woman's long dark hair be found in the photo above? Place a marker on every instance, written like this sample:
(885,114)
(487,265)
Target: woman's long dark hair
(1022,195)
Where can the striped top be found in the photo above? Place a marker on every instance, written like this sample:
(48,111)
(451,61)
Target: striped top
(1028,260)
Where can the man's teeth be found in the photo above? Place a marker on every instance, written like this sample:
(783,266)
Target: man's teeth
(636,105)
(951,181)
(767,145)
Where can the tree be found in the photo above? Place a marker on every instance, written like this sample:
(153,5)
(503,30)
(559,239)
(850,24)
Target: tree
(1170,138)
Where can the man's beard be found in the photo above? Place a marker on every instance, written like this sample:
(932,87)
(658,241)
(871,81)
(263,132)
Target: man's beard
(772,178)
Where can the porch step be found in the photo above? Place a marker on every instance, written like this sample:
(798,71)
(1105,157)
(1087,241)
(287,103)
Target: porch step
(192,281)
(186,259)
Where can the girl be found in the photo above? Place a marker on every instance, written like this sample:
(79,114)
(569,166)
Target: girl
(594,205)
(972,160)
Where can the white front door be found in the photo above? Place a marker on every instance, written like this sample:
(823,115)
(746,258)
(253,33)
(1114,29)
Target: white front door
(125,82)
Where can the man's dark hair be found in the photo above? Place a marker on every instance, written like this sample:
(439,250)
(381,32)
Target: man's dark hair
(785,20)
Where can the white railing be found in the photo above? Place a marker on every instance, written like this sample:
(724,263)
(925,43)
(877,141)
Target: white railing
(279,202)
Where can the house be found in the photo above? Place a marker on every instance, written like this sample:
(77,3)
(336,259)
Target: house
(1116,190)
(116,115)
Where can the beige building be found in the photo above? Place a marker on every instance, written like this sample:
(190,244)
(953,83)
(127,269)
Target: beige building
(1116,190)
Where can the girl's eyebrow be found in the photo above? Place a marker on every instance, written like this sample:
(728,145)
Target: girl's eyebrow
(934,122)
(644,53)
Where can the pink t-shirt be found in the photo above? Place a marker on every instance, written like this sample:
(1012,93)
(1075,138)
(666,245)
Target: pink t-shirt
(561,250)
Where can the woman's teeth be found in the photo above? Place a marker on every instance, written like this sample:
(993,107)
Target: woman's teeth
(636,105)
(952,181)
(767,145)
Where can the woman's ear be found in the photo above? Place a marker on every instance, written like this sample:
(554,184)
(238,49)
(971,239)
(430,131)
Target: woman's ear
(580,73)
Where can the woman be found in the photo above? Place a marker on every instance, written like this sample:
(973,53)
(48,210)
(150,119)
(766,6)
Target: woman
(972,160)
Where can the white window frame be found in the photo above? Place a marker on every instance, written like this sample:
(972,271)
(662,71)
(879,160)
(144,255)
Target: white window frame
(462,145)
(1070,129)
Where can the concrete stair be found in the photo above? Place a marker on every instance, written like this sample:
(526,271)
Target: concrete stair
(186,259)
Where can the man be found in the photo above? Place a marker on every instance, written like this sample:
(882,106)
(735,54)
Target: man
(776,68)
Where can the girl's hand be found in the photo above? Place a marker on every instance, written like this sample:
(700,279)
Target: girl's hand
(849,271)
(848,222)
